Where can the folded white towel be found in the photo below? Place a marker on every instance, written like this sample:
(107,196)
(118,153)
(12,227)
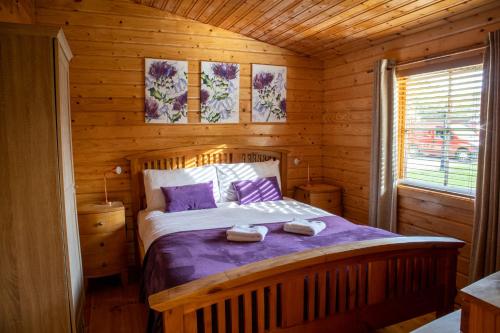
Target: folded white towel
(304,227)
(246,233)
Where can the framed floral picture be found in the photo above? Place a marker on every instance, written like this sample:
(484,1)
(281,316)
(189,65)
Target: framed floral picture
(166,85)
(220,92)
(268,93)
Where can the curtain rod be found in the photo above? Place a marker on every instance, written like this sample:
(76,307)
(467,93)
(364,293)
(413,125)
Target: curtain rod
(440,56)
(453,53)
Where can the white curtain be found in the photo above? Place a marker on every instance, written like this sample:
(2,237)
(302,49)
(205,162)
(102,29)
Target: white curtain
(383,176)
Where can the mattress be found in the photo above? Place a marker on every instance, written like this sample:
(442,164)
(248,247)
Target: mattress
(154,224)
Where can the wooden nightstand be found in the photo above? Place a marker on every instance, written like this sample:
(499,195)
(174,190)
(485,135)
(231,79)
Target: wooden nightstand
(103,240)
(324,196)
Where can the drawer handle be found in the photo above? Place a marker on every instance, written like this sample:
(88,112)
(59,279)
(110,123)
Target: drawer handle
(99,224)
(104,264)
(101,244)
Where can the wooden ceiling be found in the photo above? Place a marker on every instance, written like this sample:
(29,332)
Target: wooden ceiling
(323,28)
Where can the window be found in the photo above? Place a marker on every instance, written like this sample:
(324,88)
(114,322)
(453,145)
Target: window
(439,128)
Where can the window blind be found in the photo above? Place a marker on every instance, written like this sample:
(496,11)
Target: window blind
(439,128)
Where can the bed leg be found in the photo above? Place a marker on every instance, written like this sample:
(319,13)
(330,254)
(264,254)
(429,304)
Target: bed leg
(173,320)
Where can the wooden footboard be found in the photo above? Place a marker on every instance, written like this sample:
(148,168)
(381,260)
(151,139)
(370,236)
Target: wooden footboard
(353,287)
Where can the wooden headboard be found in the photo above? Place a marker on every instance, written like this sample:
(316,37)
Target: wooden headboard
(194,156)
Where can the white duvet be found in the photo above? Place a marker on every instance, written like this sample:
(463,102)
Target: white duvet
(154,224)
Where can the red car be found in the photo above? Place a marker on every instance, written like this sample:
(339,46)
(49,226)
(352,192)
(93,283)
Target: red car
(463,141)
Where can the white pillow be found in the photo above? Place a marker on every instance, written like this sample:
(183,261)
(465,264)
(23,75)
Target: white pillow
(228,173)
(155,179)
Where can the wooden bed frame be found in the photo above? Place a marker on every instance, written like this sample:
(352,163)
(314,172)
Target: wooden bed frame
(355,287)
(191,157)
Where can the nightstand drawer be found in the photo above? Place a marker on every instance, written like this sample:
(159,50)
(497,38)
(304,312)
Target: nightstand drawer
(99,264)
(101,222)
(302,196)
(326,199)
(104,242)
(324,196)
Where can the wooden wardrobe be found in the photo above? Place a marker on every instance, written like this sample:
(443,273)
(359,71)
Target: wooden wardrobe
(41,284)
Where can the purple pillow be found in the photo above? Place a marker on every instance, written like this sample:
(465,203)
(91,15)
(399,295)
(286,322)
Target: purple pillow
(257,190)
(189,197)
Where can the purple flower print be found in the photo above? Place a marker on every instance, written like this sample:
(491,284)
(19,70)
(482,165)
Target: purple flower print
(219,92)
(180,102)
(162,69)
(225,71)
(204,95)
(262,80)
(151,109)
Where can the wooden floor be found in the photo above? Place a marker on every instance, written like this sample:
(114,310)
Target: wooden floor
(113,308)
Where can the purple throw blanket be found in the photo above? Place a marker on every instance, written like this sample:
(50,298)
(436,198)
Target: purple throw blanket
(182,257)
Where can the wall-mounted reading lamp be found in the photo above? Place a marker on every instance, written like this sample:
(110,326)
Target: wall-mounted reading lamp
(297,162)
(117,170)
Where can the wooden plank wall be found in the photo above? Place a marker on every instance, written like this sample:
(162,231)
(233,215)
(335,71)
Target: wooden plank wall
(19,11)
(110,40)
(347,127)
(423,212)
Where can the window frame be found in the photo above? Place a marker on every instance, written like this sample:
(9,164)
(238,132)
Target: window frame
(401,76)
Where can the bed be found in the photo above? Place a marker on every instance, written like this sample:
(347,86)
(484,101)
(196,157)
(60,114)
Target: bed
(338,282)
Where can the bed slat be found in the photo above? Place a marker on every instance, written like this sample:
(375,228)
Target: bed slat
(235,322)
(333,291)
(221,316)
(377,274)
(190,322)
(362,285)
(322,294)
(247,300)
(352,279)
(342,289)
(207,319)
(293,301)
